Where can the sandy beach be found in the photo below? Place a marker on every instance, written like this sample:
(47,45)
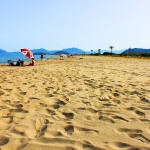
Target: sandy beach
(83,103)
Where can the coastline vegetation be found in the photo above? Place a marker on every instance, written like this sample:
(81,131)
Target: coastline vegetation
(133,55)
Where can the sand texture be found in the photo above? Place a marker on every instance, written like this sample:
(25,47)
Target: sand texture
(83,103)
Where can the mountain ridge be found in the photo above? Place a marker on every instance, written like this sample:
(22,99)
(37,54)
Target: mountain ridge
(74,50)
(136,50)
(3,51)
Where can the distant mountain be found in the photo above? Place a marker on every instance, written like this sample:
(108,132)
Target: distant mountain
(2,51)
(79,51)
(60,52)
(136,50)
(52,52)
(57,52)
(73,50)
(42,50)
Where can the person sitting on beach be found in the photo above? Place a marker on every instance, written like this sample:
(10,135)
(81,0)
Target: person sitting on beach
(32,63)
(19,63)
(11,63)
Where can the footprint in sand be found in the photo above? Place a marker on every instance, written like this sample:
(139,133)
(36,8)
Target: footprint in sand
(7,101)
(87,130)
(56,133)
(109,105)
(40,127)
(146,100)
(106,119)
(35,130)
(69,129)
(87,103)
(17,105)
(140,113)
(91,110)
(119,118)
(51,112)
(43,104)
(130,108)
(60,102)
(88,146)
(68,115)
(18,110)
(122,145)
(56,106)
(23,93)
(3,140)
(2,92)
(139,137)
(135,133)
(129,130)
(49,95)
(145,120)
(6,119)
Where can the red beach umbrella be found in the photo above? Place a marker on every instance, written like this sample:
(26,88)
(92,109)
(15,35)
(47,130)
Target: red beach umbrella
(27,53)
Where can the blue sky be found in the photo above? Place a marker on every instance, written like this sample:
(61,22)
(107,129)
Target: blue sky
(85,24)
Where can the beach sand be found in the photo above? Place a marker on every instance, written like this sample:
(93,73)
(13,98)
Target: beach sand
(83,103)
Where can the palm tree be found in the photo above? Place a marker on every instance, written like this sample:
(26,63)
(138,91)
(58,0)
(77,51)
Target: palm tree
(91,51)
(111,47)
(99,51)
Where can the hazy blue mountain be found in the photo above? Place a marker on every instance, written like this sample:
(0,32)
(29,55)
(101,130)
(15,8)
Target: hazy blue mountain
(45,51)
(53,52)
(2,51)
(73,50)
(42,50)
(60,52)
(79,51)
(136,50)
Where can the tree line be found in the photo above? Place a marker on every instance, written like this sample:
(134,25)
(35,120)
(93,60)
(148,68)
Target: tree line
(129,53)
(99,51)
